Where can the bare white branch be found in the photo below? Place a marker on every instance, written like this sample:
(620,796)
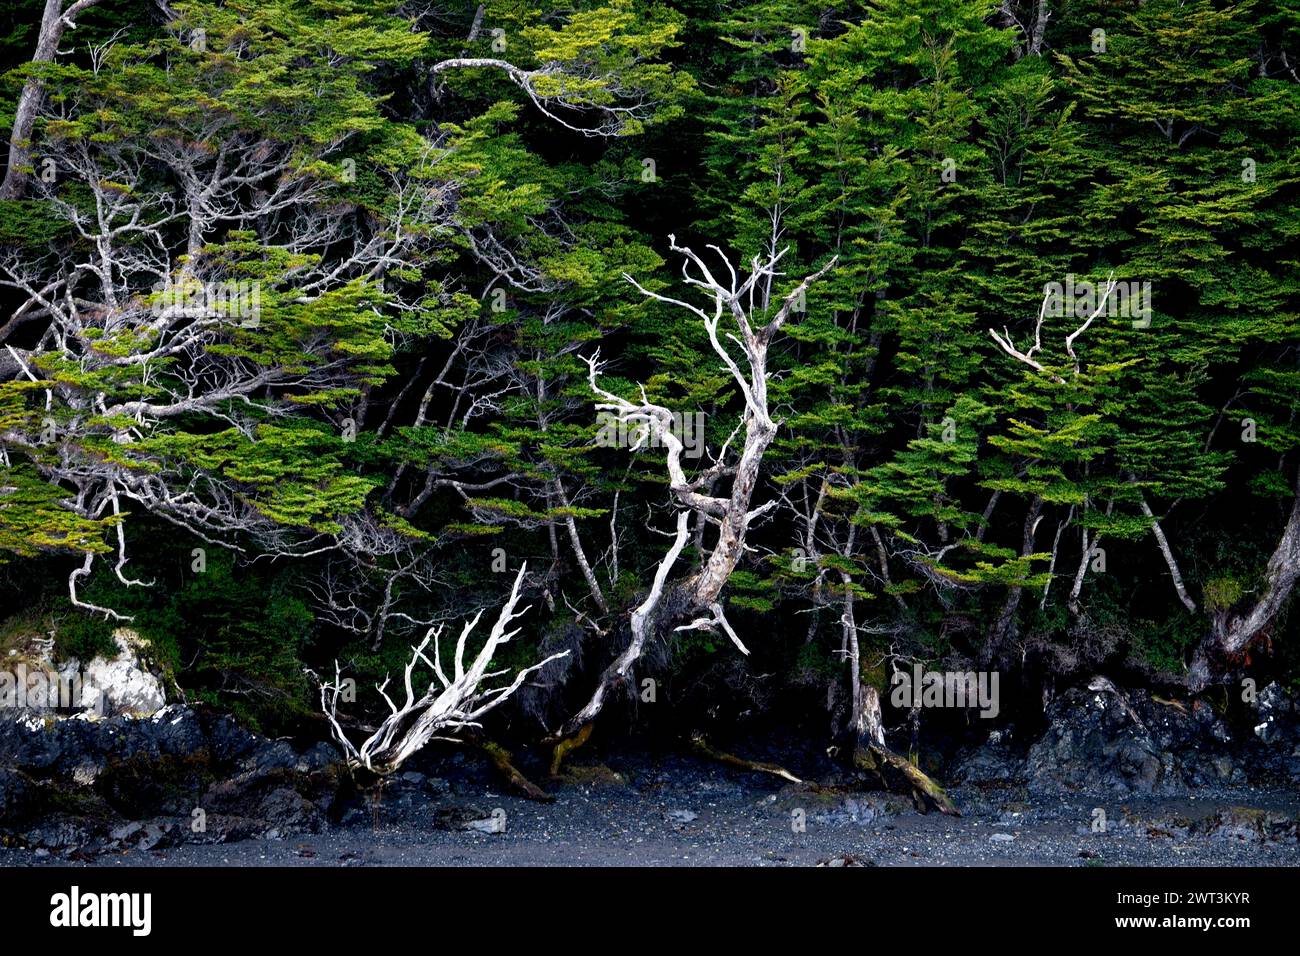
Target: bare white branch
(445,706)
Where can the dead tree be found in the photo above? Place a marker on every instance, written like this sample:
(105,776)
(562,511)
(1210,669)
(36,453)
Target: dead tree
(753,320)
(447,705)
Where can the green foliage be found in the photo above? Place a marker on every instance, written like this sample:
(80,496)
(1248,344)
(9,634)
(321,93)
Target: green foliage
(391,421)
(230,635)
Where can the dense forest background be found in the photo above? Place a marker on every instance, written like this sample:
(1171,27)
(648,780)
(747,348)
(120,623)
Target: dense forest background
(437,203)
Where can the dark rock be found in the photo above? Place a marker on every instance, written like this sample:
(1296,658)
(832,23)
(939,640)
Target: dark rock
(17,796)
(1274,723)
(64,832)
(220,828)
(290,812)
(354,816)
(1103,738)
(996,762)
(861,810)
(142,786)
(227,742)
(154,835)
(319,757)
(142,836)
(272,755)
(127,831)
(1251,825)
(137,782)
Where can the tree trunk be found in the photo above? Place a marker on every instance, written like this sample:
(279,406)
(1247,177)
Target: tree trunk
(872,754)
(1233,634)
(53,24)
(1039,31)
(1167,552)
(703,589)
(1007,615)
(643,620)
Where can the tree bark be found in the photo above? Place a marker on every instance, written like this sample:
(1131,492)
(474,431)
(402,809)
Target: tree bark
(1039,31)
(1233,634)
(588,575)
(54,22)
(872,754)
(1168,553)
(641,624)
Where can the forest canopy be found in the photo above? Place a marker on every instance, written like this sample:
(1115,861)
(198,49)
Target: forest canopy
(766,348)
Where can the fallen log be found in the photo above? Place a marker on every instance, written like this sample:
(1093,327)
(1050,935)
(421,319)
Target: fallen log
(702,747)
(897,773)
(503,761)
(565,745)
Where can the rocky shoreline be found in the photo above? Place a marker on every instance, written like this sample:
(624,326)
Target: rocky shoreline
(1103,738)
(86,786)
(1115,777)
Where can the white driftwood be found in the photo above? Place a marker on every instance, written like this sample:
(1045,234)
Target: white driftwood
(447,705)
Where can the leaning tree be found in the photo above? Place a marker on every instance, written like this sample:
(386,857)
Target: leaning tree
(742,317)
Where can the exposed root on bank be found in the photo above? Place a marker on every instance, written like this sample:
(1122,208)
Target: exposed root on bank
(565,746)
(896,774)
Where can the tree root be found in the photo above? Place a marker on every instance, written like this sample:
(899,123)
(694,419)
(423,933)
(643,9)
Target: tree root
(566,745)
(897,773)
(503,760)
(702,747)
